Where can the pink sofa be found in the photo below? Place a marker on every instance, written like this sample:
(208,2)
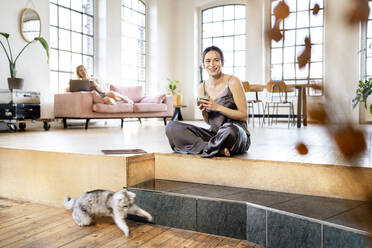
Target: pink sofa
(88,105)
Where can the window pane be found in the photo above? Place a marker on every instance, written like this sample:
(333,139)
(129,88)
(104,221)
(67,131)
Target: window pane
(53,85)
(135,5)
(302,72)
(239,11)
(369,68)
(229,59)
(64,39)
(64,18)
(289,55)
(63,81)
(207,30)
(289,38)
(240,26)
(228,12)
(76,43)
(127,3)
(277,44)
(207,43)
(77,5)
(302,19)
(53,15)
(276,72)
(217,29)
(316,35)
(369,47)
(317,20)
(316,53)
(88,6)
(88,62)
(240,73)
(217,14)
(369,29)
(303,5)
(301,35)
(228,28)
(319,2)
(290,21)
(65,3)
(276,56)
(87,25)
(292,5)
(87,45)
(229,44)
(316,70)
(207,15)
(240,42)
(76,21)
(64,61)
(77,59)
(239,59)
(141,7)
(219,43)
(289,72)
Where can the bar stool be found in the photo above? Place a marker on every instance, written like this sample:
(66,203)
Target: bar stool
(251,88)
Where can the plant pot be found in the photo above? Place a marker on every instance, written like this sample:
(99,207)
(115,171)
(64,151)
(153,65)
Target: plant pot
(177,100)
(15,83)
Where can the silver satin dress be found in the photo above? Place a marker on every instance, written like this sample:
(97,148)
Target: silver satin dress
(224,132)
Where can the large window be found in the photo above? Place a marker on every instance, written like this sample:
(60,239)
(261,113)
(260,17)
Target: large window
(71,40)
(300,23)
(224,27)
(133,55)
(367,45)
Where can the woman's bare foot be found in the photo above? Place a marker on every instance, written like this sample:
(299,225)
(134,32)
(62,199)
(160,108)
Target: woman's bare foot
(225,152)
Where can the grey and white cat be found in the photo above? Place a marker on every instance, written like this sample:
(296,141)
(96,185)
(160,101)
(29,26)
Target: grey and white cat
(105,203)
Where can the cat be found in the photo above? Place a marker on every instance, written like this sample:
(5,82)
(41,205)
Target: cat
(105,203)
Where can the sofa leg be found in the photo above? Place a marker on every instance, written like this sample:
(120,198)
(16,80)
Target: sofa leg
(122,123)
(140,121)
(165,121)
(64,122)
(87,123)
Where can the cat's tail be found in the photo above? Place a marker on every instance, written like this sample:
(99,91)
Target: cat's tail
(69,202)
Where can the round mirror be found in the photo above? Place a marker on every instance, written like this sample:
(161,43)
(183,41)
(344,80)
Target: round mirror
(30,24)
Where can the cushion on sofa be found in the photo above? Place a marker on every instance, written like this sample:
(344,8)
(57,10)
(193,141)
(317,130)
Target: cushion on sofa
(135,92)
(116,108)
(149,107)
(153,99)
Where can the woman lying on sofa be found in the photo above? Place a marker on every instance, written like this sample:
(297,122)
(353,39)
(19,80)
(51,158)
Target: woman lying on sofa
(109,97)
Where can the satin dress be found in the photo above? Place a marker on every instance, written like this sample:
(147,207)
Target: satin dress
(223,132)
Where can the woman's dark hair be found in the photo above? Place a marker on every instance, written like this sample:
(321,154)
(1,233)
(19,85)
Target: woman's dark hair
(214,48)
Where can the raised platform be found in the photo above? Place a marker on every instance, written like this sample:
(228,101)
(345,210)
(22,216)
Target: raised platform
(270,219)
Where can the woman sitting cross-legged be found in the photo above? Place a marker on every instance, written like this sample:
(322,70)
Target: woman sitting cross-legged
(110,97)
(224,107)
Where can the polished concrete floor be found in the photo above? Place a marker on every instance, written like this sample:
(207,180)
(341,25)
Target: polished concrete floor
(276,142)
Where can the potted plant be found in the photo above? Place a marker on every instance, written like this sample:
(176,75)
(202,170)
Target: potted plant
(13,81)
(362,93)
(177,98)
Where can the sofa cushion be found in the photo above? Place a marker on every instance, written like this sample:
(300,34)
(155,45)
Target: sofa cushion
(153,99)
(149,107)
(134,92)
(116,108)
(97,97)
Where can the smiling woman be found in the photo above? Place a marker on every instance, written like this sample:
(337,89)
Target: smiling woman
(223,105)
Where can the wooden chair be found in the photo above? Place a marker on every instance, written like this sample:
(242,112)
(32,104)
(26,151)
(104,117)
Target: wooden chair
(276,97)
(250,103)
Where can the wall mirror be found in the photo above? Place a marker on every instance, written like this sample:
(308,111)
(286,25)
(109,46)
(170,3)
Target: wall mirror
(30,24)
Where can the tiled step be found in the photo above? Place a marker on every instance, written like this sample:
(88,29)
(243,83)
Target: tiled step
(267,218)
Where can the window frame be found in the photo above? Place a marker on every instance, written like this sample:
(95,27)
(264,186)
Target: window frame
(205,8)
(138,66)
(71,31)
(298,47)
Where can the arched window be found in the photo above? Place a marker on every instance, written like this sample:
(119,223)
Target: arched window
(133,53)
(224,27)
(300,24)
(71,40)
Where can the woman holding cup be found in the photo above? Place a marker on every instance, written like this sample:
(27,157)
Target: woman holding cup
(224,107)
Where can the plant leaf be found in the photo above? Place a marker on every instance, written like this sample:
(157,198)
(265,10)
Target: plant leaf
(44,43)
(5,35)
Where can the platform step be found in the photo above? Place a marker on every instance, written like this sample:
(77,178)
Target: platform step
(267,218)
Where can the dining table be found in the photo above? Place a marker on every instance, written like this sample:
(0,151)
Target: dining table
(301,99)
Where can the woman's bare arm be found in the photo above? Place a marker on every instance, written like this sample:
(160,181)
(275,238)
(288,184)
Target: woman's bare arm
(200,106)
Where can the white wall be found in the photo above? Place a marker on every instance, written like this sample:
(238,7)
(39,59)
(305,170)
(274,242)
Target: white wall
(32,65)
